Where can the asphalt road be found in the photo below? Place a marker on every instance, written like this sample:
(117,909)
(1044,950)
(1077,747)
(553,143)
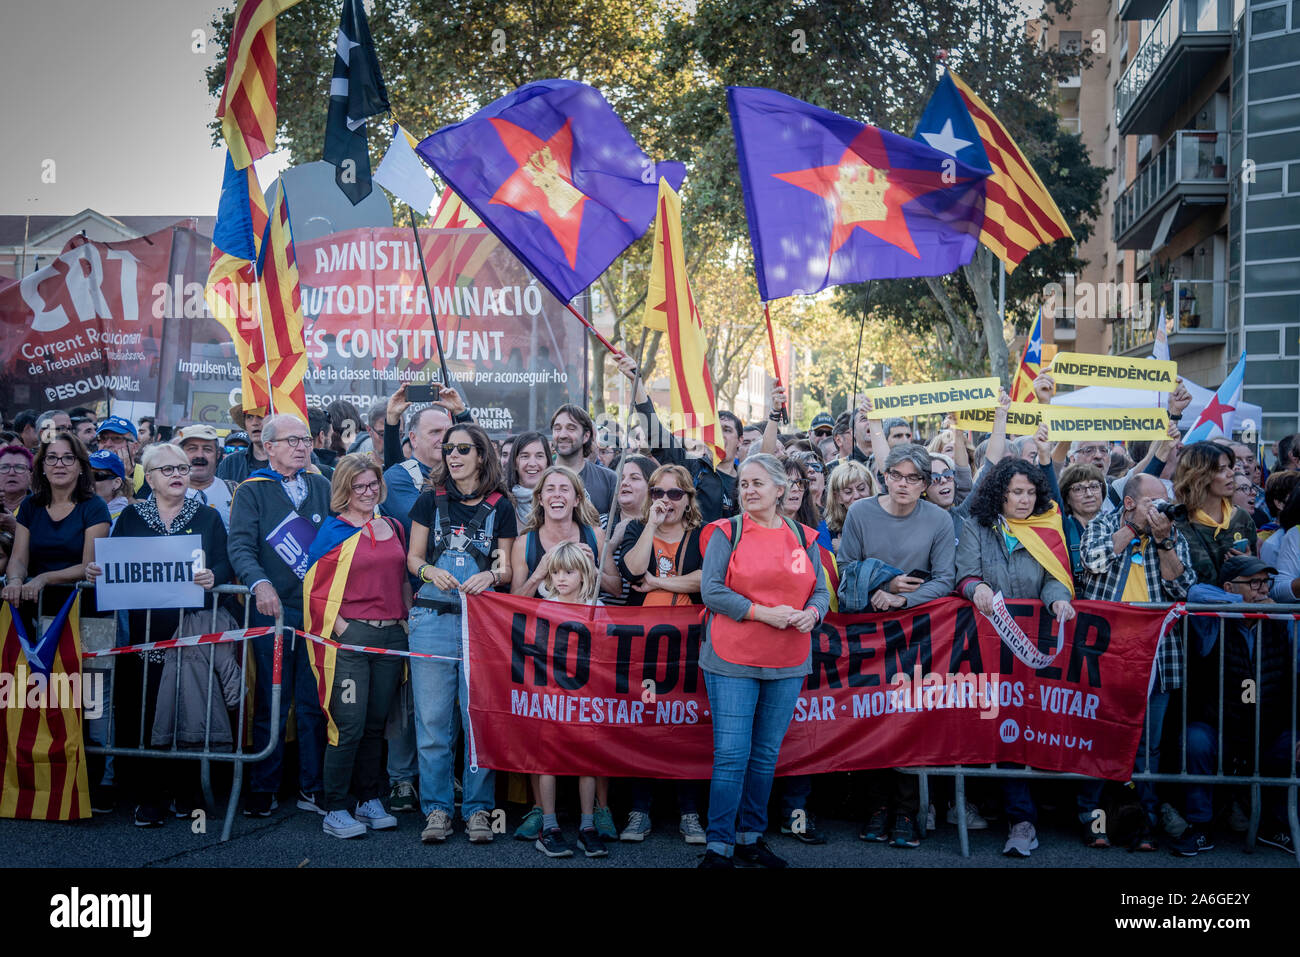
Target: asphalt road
(293,838)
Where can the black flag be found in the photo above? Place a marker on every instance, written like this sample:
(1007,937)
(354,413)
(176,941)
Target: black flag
(356,93)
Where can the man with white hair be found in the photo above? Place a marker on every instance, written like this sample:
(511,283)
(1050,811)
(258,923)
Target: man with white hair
(275,515)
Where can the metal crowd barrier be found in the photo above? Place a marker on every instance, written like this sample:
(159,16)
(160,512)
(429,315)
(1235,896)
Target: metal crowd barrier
(1223,613)
(237,755)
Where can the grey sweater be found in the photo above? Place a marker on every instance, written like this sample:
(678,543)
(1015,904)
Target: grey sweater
(982,555)
(723,601)
(922,541)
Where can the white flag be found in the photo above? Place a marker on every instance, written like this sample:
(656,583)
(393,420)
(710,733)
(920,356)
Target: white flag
(402,174)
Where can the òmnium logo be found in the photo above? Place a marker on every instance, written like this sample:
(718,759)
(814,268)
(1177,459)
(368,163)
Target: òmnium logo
(1009,730)
(75,910)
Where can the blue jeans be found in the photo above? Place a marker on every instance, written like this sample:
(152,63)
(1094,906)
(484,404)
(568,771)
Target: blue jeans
(297,687)
(1017,801)
(1089,798)
(441,695)
(795,791)
(1276,758)
(750,718)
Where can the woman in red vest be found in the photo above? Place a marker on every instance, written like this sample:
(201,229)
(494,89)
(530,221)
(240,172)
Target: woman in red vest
(762,607)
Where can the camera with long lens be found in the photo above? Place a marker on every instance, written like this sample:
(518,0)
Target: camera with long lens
(1171,510)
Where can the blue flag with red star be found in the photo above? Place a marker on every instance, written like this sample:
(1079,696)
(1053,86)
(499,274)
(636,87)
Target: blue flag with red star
(554,173)
(833,201)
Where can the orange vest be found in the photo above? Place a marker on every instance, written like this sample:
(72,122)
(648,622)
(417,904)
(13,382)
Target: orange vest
(768,567)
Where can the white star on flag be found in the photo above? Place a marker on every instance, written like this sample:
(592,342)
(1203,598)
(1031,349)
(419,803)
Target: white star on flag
(945,142)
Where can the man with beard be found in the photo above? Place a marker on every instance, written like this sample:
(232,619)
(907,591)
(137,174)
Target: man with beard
(199,443)
(239,465)
(573,436)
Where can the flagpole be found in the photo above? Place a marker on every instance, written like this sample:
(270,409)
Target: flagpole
(857,363)
(593,330)
(261,326)
(433,313)
(776,365)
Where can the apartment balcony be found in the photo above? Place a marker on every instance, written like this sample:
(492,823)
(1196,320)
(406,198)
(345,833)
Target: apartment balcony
(1140,9)
(1188,39)
(1071,124)
(1068,87)
(1188,175)
(1198,320)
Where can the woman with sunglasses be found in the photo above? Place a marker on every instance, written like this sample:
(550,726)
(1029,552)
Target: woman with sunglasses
(151,781)
(110,482)
(359,594)
(661,562)
(461,525)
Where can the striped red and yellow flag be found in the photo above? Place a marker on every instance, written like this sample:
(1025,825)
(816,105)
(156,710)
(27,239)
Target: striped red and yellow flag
(1019,213)
(43,773)
(1031,363)
(452,213)
(322,589)
(247,106)
(286,352)
(671,308)
(1043,536)
(231,291)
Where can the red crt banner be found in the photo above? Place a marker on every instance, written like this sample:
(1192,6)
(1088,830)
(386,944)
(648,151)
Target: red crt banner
(570,689)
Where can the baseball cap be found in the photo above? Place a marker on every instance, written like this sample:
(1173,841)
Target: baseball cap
(105,461)
(196,431)
(238,437)
(1240,566)
(119,425)
(822,421)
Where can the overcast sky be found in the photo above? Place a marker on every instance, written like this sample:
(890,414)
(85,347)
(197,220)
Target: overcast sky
(113,93)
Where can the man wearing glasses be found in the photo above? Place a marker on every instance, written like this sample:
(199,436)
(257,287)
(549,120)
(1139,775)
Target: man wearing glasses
(913,543)
(273,520)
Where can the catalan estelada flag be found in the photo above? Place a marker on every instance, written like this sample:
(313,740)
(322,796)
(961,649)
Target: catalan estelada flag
(1031,361)
(670,307)
(247,107)
(286,352)
(1043,536)
(42,757)
(329,561)
(1019,213)
(231,290)
(452,213)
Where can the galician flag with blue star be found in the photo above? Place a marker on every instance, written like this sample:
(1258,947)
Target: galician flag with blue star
(833,201)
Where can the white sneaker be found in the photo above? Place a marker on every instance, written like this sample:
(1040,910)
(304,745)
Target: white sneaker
(343,824)
(638,826)
(691,829)
(1022,840)
(372,815)
(929,819)
(975,821)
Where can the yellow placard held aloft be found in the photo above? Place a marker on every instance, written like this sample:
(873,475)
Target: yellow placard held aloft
(951,395)
(1068,424)
(1023,418)
(1155,375)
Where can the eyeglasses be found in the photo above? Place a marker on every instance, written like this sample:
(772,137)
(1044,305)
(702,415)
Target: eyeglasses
(460,448)
(798,484)
(1093,449)
(368,489)
(68,459)
(1259,584)
(15,468)
(293,441)
(169,470)
(672,494)
(1086,488)
(945,476)
(913,478)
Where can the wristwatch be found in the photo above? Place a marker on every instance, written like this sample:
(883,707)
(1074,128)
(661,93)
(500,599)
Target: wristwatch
(1167,545)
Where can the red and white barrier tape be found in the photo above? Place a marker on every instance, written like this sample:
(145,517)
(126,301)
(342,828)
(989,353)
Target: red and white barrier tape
(242,634)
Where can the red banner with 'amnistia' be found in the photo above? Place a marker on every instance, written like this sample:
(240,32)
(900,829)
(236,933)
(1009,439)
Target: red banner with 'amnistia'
(570,689)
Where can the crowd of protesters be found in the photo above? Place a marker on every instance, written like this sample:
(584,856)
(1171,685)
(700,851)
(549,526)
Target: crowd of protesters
(428,507)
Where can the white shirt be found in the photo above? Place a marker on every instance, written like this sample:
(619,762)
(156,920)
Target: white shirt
(217,495)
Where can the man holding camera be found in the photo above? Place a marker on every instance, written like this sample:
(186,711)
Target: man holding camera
(1135,553)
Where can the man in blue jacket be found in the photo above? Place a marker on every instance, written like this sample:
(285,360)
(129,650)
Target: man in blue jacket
(274,518)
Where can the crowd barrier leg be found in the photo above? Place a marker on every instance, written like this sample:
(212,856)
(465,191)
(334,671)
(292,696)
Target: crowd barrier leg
(959,802)
(923,793)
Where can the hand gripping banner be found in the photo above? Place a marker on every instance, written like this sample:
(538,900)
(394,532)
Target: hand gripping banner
(570,689)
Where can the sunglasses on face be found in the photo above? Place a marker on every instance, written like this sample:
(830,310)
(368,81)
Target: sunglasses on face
(815,467)
(937,477)
(672,494)
(104,476)
(460,448)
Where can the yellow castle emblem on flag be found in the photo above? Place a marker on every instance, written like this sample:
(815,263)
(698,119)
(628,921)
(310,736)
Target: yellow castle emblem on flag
(861,189)
(543,171)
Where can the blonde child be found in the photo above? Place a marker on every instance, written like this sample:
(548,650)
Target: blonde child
(571,577)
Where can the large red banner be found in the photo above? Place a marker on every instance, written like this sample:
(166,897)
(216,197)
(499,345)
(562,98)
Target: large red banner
(568,689)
